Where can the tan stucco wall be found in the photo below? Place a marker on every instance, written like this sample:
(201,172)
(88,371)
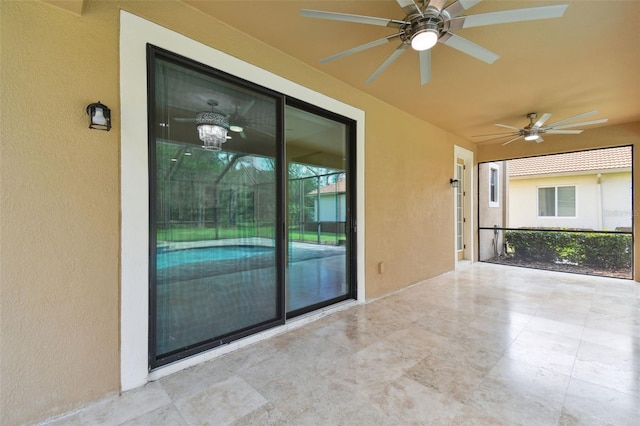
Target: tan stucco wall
(59,220)
(59,192)
(490,215)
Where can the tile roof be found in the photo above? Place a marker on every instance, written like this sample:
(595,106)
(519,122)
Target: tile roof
(597,159)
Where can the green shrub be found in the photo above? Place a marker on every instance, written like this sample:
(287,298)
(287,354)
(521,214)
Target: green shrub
(534,246)
(608,251)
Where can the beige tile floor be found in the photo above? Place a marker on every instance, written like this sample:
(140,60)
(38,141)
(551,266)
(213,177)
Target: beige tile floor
(483,345)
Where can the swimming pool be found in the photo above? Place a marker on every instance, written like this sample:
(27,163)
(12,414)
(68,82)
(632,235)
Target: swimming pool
(166,259)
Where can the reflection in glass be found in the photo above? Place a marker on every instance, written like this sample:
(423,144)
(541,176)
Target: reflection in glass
(214,263)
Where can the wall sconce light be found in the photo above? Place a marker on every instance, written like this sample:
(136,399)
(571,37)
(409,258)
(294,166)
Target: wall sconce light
(455,183)
(99,116)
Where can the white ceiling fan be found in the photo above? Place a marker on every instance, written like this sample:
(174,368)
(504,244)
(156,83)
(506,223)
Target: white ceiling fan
(428,22)
(533,131)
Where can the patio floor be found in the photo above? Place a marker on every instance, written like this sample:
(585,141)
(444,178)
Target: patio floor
(486,345)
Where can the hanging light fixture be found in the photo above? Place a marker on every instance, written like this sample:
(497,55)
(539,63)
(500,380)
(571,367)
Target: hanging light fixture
(212,127)
(99,116)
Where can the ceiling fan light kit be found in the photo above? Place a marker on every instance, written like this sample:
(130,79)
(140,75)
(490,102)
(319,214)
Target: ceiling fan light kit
(428,22)
(423,32)
(424,40)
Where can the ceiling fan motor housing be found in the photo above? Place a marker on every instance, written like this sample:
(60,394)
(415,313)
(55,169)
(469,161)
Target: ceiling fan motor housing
(429,21)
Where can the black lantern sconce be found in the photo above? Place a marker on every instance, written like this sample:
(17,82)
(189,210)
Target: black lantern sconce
(455,183)
(99,116)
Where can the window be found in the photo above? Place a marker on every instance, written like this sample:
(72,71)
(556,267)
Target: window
(557,201)
(493,186)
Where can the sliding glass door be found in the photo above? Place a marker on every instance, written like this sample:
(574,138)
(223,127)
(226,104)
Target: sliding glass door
(247,226)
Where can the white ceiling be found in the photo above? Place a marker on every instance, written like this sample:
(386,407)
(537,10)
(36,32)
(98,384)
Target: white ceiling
(589,59)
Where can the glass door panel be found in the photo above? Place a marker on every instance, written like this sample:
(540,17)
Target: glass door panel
(318,204)
(213,260)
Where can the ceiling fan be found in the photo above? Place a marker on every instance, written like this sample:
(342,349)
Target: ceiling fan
(532,131)
(428,22)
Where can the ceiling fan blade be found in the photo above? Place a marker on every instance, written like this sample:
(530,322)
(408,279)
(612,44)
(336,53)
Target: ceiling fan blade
(512,140)
(539,139)
(500,135)
(437,4)
(400,50)
(247,107)
(541,121)
(468,47)
(508,16)
(508,127)
(425,66)
(410,7)
(360,48)
(563,132)
(584,123)
(566,120)
(347,17)
(457,7)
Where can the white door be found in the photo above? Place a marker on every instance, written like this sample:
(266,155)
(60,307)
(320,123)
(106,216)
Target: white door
(459,209)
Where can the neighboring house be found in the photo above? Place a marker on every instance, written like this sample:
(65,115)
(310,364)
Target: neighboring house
(329,204)
(329,207)
(586,190)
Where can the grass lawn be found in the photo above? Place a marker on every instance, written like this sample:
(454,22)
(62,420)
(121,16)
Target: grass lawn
(180,234)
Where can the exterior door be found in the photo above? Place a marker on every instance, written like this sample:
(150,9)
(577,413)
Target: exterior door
(459,209)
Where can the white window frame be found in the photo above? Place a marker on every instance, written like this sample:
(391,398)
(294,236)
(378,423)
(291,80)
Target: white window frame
(555,216)
(493,167)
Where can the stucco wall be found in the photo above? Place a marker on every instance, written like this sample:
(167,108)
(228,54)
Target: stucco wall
(591,201)
(59,220)
(491,214)
(332,208)
(617,193)
(59,192)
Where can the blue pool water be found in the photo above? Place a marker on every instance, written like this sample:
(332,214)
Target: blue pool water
(166,259)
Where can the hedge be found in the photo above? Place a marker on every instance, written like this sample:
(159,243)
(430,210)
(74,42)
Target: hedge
(608,251)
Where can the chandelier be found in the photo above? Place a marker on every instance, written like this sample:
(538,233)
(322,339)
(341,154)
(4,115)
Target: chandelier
(212,127)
